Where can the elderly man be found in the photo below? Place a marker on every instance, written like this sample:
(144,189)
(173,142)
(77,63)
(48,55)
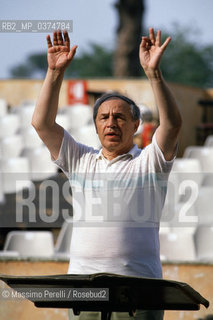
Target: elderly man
(118,191)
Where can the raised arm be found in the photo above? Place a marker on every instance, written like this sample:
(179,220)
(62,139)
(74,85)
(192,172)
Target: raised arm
(59,57)
(150,53)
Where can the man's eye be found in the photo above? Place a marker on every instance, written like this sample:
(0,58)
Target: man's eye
(119,117)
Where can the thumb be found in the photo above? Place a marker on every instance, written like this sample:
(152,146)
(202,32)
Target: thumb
(72,52)
(166,42)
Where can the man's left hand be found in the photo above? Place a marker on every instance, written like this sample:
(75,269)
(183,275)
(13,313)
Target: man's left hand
(151,51)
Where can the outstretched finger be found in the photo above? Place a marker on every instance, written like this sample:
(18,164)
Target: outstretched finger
(166,42)
(158,38)
(66,39)
(49,42)
(152,35)
(55,38)
(60,38)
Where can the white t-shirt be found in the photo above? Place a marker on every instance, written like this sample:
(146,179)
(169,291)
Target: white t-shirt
(117,207)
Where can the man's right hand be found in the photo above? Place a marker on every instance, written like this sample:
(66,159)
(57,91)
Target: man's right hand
(59,57)
(59,54)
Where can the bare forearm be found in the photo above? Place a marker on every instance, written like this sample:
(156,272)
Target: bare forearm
(169,114)
(47,103)
(150,53)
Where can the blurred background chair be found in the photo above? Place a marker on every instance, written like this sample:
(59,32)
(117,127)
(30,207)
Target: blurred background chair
(11,146)
(30,138)
(209,141)
(178,245)
(25,113)
(41,166)
(15,174)
(62,247)
(183,170)
(29,244)
(183,187)
(3,107)
(204,242)
(79,115)
(87,135)
(203,205)
(63,120)
(203,154)
(208,180)
(2,197)
(9,125)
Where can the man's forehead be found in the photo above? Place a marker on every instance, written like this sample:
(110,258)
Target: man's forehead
(114,105)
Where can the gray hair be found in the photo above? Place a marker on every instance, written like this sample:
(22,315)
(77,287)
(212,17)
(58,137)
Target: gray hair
(134,108)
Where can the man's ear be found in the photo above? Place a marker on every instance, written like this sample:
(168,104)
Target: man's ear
(137,122)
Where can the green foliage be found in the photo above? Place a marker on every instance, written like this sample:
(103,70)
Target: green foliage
(21,71)
(97,62)
(38,62)
(186,61)
(35,64)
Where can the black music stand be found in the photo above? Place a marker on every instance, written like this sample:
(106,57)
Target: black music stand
(123,293)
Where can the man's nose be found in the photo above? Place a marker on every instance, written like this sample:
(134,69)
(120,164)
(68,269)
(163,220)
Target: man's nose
(111,122)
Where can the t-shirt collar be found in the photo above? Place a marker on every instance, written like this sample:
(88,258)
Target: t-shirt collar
(132,152)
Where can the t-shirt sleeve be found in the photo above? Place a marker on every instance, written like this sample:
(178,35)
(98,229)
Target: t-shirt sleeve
(71,153)
(157,160)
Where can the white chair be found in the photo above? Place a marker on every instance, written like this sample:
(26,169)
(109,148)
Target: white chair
(41,166)
(62,247)
(11,146)
(203,154)
(185,166)
(209,141)
(204,242)
(9,125)
(203,205)
(30,138)
(79,115)
(25,113)
(2,197)
(183,185)
(63,120)
(88,136)
(163,230)
(208,180)
(185,171)
(15,174)
(178,245)
(3,107)
(182,214)
(29,243)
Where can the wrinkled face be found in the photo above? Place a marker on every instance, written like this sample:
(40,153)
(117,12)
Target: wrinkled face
(115,126)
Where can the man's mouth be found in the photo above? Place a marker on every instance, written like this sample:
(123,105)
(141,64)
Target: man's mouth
(112,135)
